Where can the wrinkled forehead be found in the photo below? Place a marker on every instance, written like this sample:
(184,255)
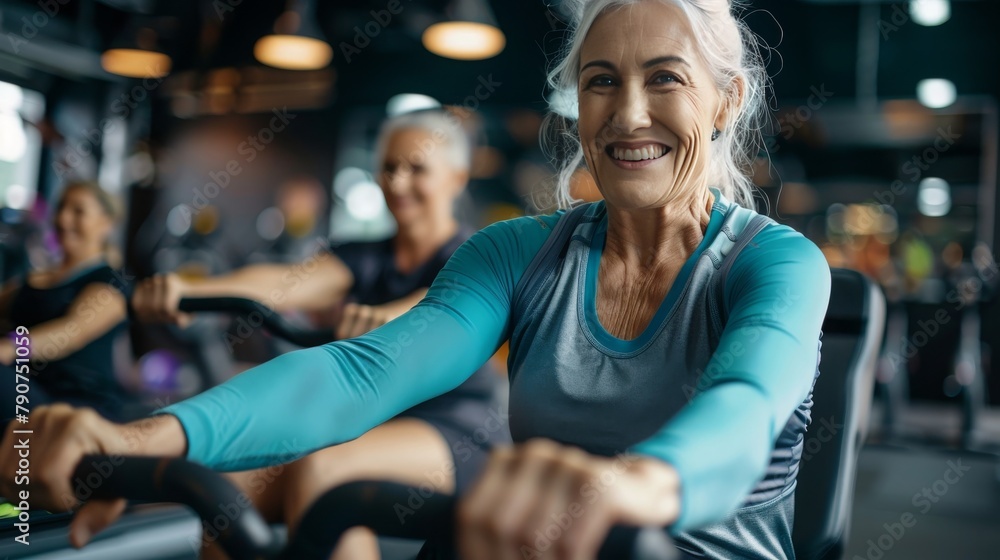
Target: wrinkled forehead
(402,141)
(415,145)
(635,33)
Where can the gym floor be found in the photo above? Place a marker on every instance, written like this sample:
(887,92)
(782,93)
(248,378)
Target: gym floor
(949,499)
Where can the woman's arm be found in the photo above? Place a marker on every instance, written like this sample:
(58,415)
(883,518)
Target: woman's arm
(358,319)
(94,311)
(314,284)
(720,443)
(314,398)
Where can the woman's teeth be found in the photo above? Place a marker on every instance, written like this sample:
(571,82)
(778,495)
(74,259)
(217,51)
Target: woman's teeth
(646,152)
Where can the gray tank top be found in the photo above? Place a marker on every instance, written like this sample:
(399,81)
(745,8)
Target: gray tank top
(562,360)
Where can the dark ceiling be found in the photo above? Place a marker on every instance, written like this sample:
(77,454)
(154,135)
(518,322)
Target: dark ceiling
(816,42)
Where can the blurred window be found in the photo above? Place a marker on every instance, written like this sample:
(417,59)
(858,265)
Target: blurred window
(21,112)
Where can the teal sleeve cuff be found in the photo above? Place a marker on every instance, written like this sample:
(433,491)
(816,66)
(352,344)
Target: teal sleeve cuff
(717,467)
(246,423)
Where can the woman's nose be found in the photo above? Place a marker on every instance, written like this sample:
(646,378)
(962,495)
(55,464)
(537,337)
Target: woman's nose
(631,110)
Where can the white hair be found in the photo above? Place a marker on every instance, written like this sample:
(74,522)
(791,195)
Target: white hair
(731,53)
(445,130)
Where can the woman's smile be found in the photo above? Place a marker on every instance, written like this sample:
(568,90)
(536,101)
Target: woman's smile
(636,155)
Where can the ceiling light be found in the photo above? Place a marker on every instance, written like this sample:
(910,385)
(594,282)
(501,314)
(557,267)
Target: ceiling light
(936,93)
(136,55)
(930,12)
(297,42)
(471,33)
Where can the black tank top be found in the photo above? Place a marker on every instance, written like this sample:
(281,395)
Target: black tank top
(86,375)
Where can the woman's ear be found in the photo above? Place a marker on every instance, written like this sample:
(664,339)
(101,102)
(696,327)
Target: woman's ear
(732,100)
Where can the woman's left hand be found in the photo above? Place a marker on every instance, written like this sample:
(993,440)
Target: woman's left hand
(542,500)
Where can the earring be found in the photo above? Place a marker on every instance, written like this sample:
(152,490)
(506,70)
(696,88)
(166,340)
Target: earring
(715,134)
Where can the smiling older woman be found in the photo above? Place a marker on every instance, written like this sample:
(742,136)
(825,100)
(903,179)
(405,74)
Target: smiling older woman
(664,342)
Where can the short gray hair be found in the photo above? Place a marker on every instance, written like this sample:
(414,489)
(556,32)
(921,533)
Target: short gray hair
(444,128)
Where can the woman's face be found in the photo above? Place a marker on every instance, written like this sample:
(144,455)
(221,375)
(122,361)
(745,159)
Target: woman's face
(81,223)
(648,105)
(417,179)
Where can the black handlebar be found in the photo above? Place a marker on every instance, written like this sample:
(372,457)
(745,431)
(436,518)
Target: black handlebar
(389,509)
(397,510)
(270,319)
(242,531)
(386,508)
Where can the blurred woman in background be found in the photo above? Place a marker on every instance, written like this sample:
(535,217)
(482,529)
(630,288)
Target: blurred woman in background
(73,311)
(423,166)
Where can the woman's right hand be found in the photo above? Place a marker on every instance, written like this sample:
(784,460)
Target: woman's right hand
(156,299)
(61,436)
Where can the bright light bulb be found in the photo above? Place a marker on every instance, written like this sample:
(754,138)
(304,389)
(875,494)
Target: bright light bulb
(936,93)
(464,40)
(293,52)
(136,63)
(934,197)
(365,201)
(930,12)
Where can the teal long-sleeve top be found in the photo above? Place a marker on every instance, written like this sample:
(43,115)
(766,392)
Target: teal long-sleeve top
(313,398)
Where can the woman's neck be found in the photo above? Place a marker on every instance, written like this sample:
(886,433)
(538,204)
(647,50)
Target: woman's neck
(651,239)
(418,242)
(71,261)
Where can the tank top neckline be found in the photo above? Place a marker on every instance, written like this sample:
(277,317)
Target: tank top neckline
(591,267)
(70,278)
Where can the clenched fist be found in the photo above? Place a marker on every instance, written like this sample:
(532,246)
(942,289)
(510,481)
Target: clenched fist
(543,500)
(156,299)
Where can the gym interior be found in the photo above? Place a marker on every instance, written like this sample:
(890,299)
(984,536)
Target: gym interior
(246,179)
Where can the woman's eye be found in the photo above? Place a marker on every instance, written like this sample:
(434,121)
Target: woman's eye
(601,81)
(665,79)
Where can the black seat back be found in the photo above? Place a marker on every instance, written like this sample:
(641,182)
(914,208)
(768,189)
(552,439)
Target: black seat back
(852,336)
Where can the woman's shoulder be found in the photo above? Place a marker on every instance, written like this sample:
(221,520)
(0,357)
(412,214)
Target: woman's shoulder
(772,241)
(778,246)
(504,248)
(532,225)
(41,278)
(520,236)
(781,237)
(101,273)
